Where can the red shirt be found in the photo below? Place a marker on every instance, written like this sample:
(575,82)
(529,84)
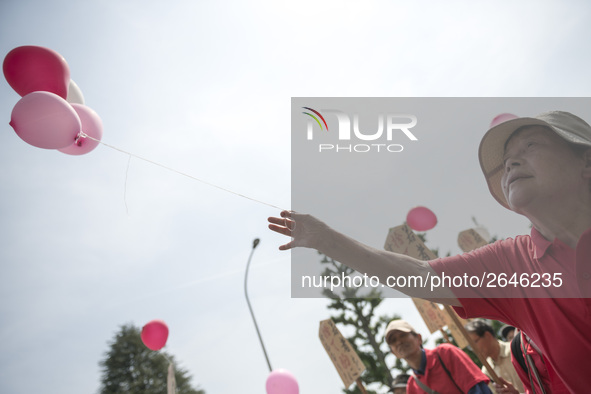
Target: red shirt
(561,327)
(463,370)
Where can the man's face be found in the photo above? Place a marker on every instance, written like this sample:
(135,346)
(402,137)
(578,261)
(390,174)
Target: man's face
(404,344)
(481,344)
(510,335)
(540,170)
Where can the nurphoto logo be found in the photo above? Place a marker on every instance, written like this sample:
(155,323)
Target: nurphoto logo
(388,126)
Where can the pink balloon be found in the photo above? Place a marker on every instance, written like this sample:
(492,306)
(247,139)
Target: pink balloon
(154,334)
(75,95)
(421,219)
(45,120)
(92,125)
(281,381)
(30,69)
(502,118)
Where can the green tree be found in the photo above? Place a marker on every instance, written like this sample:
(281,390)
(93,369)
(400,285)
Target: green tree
(130,367)
(358,314)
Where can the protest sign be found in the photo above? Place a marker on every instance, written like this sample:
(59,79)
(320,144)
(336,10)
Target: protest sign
(343,356)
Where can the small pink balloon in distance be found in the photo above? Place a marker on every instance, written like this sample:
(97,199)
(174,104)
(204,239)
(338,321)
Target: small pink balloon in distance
(92,126)
(45,120)
(281,381)
(501,118)
(31,68)
(154,334)
(421,219)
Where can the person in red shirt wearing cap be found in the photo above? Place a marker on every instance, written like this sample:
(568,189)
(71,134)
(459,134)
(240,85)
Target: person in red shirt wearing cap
(538,167)
(445,369)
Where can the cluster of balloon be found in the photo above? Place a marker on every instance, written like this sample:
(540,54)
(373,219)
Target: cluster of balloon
(421,219)
(281,381)
(501,118)
(154,334)
(51,113)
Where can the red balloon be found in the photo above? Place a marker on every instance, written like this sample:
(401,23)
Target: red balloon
(45,120)
(30,69)
(92,126)
(501,118)
(154,334)
(421,219)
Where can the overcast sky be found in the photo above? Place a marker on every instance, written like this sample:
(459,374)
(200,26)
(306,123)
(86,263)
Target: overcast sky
(93,242)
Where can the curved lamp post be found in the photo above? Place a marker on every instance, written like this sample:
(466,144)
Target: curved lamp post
(254,245)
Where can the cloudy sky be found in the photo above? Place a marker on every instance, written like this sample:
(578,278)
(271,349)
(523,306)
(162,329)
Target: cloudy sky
(93,242)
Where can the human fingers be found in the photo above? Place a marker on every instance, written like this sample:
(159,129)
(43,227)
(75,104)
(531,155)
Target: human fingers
(287,223)
(287,246)
(280,229)
(286,214)
(280,221)
(275,220)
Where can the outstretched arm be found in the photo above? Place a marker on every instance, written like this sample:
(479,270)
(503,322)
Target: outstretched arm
(307,231)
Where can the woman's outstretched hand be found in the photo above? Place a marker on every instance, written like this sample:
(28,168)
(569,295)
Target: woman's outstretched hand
(305,230)
(309,232)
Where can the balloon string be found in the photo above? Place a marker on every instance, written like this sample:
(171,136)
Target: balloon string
(84,135)
(164,355)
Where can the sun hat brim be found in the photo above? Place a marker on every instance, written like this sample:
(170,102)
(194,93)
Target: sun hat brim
(492,146)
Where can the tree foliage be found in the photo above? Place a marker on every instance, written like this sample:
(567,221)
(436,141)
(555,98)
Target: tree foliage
(131,368)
